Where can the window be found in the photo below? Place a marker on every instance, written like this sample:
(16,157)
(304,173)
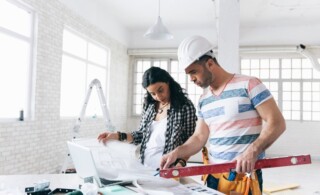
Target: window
(170,65)
(83,60)
(293,82)
(16,39)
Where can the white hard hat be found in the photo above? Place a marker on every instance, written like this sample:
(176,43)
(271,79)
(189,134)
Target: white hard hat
(191,49)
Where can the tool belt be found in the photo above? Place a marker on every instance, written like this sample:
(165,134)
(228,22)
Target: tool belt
(241,184)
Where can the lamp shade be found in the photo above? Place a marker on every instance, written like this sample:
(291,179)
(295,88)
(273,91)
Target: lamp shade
(158,31)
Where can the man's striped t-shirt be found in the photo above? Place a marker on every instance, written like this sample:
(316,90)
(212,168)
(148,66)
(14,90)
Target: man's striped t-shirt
(232,117)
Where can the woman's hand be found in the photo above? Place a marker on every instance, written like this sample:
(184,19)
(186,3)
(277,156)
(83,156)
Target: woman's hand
(106,136)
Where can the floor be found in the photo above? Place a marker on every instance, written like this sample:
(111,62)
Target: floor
(306,176)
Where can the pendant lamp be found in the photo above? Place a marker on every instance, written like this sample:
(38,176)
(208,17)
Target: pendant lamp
(158,31)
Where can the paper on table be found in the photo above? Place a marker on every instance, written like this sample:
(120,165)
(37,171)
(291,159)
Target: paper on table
(118,161)
(112,150)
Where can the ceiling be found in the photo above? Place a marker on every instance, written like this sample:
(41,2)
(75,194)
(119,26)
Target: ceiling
(181,16)
(140,14)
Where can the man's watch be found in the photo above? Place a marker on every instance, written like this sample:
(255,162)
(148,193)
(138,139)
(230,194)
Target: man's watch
(122,136)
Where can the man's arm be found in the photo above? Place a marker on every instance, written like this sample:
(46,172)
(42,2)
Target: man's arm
(190,147)
(272,129)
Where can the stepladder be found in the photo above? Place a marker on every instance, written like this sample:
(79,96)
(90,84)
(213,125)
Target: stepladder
(76,127)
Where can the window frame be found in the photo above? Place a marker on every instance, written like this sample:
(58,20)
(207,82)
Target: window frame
(88,63)
(29,113)
(280,81)
(152,59)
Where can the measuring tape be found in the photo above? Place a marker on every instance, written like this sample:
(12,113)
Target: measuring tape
(226,167)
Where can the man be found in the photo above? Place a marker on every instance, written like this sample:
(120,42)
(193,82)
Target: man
(230,113)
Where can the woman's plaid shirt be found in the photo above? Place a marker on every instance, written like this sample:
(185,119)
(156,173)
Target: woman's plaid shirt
(181,124)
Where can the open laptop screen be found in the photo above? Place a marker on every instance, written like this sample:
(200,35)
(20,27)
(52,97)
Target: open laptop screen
(84,163)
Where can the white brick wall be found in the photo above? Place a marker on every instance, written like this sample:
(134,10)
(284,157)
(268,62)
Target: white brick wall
(39,146)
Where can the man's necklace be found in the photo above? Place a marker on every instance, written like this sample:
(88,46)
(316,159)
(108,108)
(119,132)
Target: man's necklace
(160,109)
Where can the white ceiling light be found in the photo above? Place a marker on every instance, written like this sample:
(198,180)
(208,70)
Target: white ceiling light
(158,31)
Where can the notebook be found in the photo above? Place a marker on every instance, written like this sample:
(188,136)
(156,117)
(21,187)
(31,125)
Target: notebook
(85,166)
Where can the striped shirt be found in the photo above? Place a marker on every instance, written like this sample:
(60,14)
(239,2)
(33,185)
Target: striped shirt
(232,117)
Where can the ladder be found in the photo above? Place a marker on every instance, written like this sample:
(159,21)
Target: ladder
(75,130)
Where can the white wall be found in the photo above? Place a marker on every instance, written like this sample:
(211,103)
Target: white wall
(307,34)
(97,15)
(39,146)
(299,138)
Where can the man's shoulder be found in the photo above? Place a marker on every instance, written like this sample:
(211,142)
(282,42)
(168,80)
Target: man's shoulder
(242,77)
(244,80)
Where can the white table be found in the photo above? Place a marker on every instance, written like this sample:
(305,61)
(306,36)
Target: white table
(16,184)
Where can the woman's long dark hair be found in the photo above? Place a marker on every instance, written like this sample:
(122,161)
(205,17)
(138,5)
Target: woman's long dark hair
(178,96)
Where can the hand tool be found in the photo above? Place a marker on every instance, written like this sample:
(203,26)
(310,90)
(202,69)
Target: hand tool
(226,167)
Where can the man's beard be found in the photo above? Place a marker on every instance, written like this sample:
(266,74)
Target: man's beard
(208,78)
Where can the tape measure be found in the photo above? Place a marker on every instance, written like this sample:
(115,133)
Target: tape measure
(226,167)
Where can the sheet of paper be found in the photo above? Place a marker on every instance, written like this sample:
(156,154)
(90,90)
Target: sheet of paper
(118,161)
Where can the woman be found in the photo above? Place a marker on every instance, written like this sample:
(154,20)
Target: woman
(168,119)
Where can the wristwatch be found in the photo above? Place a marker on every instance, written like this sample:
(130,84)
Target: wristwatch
(122,136)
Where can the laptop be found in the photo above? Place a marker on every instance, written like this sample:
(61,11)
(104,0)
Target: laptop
(85,166)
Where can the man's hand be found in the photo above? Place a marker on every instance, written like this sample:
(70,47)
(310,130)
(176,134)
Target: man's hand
(246,161)
(169,159)
(106,136)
